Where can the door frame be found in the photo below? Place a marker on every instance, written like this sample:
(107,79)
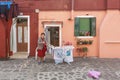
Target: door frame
(28,17)
(60,31)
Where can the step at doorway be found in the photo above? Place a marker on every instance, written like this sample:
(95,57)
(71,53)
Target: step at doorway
(19,55)
(20,37)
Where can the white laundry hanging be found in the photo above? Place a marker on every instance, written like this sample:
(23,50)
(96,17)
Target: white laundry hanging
(64,53)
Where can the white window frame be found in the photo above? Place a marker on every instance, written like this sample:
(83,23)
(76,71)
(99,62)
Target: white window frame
(60,30)
(28,17)
(84,17)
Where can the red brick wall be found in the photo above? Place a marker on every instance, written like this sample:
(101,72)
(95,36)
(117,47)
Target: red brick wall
(44,4)
(33,31)
(113,4)
(90,4)
(33,35)
(26,5)
(2,40)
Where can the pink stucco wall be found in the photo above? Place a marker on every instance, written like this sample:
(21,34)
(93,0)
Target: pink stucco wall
(109,35)
(68,27)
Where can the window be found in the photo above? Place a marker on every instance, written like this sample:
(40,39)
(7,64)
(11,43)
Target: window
(85,26)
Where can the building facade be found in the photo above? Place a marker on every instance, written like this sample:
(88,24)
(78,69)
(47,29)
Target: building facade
(65,21)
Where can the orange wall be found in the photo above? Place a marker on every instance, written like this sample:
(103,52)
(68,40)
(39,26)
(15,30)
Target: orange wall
(110,35)
(68,26)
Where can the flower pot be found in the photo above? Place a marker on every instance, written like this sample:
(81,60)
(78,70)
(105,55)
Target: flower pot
(90,42)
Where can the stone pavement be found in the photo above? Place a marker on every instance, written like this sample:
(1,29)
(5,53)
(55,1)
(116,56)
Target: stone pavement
(28,69)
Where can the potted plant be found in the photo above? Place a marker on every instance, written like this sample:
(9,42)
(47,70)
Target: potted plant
(85,42)
(90,41)
(84,50)
(79,50)
(80,34)
(78,42)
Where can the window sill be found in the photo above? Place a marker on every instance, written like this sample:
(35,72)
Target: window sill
(84,36)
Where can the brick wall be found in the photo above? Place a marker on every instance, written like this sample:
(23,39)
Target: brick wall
(30,5)
(33,31)
(2,40)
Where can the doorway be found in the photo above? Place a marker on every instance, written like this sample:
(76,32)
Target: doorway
(20,37)
(53,35)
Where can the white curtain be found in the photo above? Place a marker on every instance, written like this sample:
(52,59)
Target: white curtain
(47,36)
(13,45)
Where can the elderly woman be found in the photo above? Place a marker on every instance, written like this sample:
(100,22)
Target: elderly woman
(41,48)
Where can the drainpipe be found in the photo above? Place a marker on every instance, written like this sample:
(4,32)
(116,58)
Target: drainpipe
(72,10)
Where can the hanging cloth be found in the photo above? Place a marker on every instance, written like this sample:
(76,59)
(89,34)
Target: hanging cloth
(14,11)
(4,9)
(8,3)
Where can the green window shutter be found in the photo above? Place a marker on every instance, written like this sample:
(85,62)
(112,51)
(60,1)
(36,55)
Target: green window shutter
(77,26)
(93,26)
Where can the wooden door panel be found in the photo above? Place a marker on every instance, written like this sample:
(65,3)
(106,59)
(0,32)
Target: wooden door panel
(22,37)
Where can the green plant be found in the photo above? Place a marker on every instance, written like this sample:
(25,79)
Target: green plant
(82,42)
(90,41)
(78,42)
(82,34)
(86,42)
(79,50)
(85,49)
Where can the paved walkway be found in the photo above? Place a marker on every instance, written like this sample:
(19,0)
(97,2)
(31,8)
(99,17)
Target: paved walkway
(28,69)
